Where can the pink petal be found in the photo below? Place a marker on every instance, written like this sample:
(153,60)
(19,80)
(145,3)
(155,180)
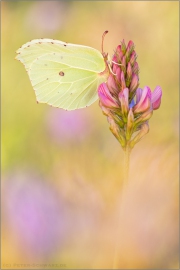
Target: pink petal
(156,97)
(145,93)
(105,96)
(144,102)
(138,94)
(125,95)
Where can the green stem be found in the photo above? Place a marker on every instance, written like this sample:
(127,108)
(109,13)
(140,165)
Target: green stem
(127,152)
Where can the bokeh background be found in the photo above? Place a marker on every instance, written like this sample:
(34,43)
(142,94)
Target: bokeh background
(62,171)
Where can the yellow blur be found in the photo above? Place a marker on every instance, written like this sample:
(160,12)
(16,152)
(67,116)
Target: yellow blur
(64,203)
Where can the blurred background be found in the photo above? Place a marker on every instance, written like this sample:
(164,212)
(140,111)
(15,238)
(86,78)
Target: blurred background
(62,171)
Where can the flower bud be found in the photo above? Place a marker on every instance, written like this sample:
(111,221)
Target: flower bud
(129,71)
(133,58)
(123,64)
(118,120)
(114,65)
(114,68)
(118,74)
(134,83)
(124,100)
(112,86)
(105,110)
(130,121)
(144,117)
(130,124)
(117,132)
(129,50)
(123,47)
(114,59)
(130,46)
(119,53)
(135,68)
(128,75)
(143,131)
(123,83)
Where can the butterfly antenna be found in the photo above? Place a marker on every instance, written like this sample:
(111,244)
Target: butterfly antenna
(103,41)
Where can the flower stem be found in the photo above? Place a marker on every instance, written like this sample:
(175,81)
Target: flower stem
(127,152)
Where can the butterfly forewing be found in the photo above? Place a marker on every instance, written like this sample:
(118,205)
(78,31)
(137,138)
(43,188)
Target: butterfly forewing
(63,75)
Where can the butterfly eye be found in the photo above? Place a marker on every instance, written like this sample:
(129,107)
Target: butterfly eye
(61,73)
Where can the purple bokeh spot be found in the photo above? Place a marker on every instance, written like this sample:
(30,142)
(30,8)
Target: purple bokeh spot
(35,213)
(68,125)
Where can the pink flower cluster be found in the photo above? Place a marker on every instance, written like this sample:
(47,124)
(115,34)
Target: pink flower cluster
(127,107)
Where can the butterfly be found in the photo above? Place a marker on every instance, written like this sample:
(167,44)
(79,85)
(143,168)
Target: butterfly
(64,75)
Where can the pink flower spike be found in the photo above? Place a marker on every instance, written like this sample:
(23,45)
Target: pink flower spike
(105,97)
(156,97)
(144,102)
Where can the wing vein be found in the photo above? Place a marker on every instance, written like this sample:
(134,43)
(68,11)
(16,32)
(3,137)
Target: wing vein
(81,93)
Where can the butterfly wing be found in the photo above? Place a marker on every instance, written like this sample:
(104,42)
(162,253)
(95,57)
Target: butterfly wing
(63,75)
